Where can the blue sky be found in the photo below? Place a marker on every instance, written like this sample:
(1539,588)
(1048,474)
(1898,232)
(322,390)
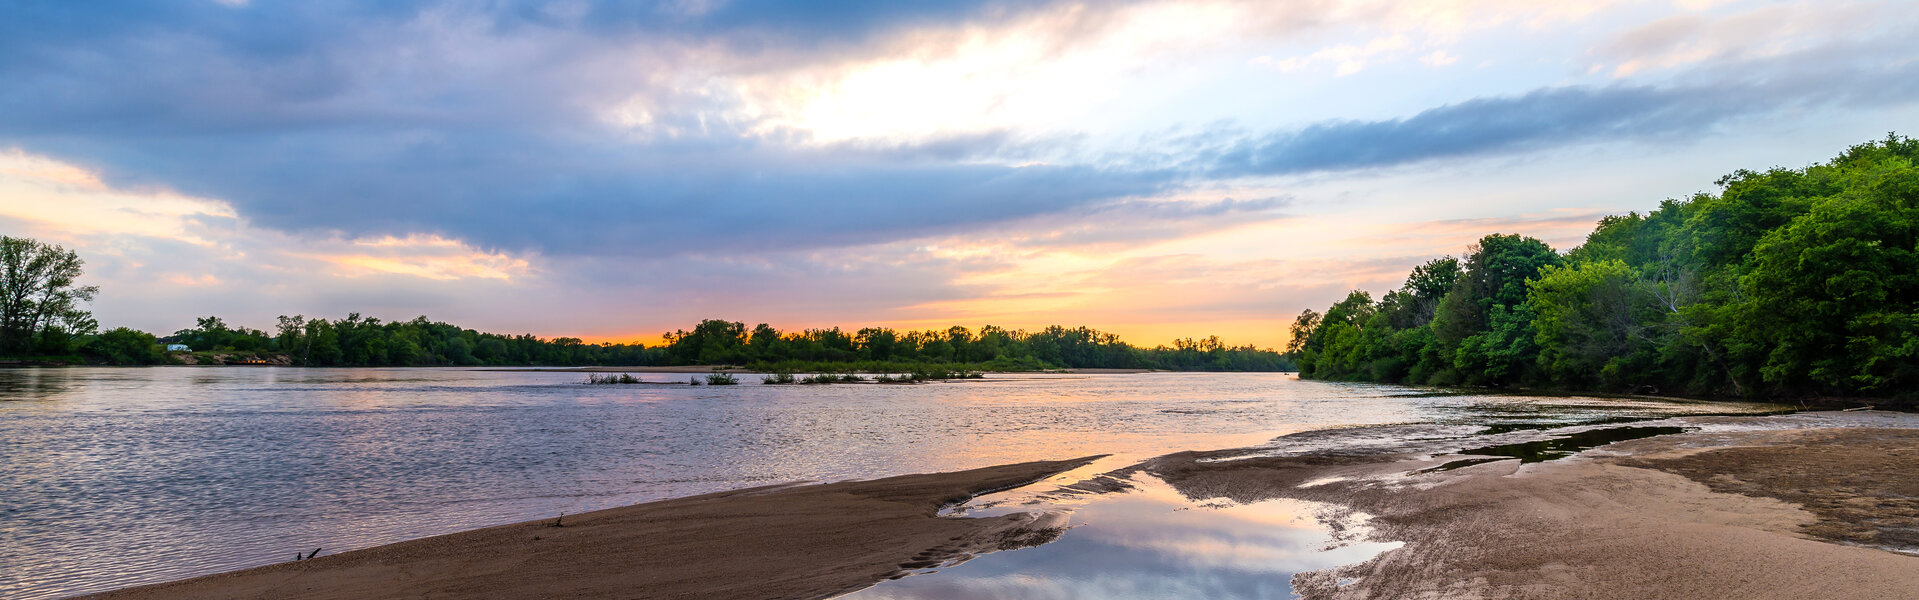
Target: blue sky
(614,170)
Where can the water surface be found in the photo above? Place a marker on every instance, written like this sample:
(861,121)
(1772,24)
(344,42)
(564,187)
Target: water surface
(1150,542)
(111,477)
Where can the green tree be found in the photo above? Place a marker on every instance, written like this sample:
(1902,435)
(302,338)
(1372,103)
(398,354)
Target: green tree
(39,298)
(1833,292)
(1587,318)
(123,346)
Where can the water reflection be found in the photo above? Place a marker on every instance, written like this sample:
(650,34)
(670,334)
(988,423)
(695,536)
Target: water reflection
(17,384)
(1556,447)
(1151,542)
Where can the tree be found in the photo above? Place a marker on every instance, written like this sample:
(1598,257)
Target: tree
(1586,316)
(1495,274)
(123,346)
(1789,283)
(1302,330)
(1833,292)
(39,301)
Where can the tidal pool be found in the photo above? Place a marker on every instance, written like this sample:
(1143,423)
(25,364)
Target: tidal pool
(1151,542)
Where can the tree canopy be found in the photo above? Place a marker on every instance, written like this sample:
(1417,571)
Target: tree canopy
(359,341)
(1787,283)
(40,298)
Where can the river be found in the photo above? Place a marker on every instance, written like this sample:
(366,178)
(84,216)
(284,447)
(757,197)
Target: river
(111,477)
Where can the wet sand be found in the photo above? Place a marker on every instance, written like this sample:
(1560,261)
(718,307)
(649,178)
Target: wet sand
(1806,513)
(796,541)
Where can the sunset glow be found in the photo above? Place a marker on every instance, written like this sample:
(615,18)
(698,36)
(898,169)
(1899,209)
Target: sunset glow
(1159,170)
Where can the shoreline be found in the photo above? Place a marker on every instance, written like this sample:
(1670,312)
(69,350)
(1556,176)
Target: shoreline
(1794,506)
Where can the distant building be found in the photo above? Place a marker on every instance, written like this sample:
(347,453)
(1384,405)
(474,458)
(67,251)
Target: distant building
(178,348)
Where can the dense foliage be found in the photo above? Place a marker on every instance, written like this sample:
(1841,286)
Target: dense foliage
(39,300)
(358,341)
(1787,283)
(996,348)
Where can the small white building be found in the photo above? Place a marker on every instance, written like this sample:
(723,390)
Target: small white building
(178,348)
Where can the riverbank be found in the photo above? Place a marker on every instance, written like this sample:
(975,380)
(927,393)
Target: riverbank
(1811,505)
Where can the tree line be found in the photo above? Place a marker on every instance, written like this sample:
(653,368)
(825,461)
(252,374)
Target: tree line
(357,341)
(41,320)
(1787,283)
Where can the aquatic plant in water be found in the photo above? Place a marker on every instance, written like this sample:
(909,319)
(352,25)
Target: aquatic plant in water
(611,378)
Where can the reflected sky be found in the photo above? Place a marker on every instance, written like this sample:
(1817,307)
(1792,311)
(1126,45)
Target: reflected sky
(1151,542)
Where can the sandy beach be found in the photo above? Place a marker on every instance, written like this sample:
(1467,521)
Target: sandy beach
(1794,511)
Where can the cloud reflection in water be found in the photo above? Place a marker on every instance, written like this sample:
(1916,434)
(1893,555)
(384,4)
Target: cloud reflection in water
(1151,542)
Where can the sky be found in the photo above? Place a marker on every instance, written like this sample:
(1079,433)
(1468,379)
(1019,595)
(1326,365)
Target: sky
(616,170)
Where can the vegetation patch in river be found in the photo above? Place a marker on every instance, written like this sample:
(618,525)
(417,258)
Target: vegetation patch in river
(1555,448)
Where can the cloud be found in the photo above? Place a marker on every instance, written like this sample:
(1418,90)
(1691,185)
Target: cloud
(1555,117)
(675,128)
(1438,58)
(1692,39)
(1349,58)
(652,162)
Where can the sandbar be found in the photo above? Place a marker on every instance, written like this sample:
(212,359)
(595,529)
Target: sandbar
(789,541)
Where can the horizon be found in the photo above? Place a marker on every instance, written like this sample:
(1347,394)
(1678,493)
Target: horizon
(659,339)
(1155,170)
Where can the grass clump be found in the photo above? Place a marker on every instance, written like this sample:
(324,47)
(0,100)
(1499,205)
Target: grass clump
(842,377)
(611,379)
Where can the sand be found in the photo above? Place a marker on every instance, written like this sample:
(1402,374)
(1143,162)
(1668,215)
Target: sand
(1643,519)
(799,541)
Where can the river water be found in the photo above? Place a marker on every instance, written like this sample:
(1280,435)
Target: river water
(111,477)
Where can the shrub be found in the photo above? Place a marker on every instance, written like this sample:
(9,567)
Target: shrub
(611,378)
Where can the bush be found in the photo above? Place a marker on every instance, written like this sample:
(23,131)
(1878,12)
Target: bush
(621,378)
(123,346)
